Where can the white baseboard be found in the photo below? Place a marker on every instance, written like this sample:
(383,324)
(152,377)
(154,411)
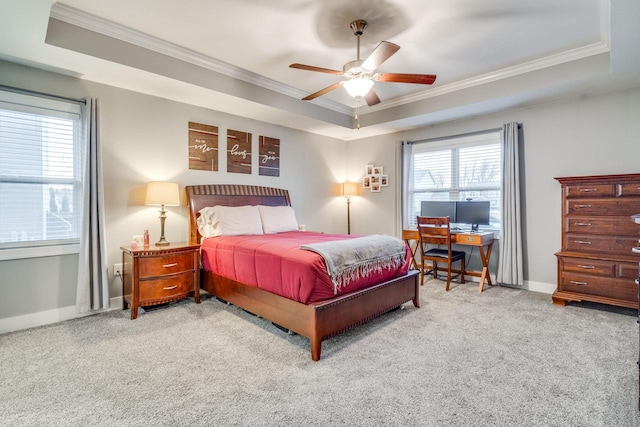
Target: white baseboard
(48,317)
(546,288)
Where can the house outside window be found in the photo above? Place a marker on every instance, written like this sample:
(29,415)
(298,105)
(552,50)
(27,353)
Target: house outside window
(41,158)
(455,169)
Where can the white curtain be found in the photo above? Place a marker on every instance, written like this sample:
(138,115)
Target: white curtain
(510,269)
(93,287)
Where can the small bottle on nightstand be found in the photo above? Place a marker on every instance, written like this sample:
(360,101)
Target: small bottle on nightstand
(146,239)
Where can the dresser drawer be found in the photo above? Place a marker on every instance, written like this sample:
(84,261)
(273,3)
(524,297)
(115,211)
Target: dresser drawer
(602,286)
(592,190)
(588,266)
(170,287)
(155,266)
(628,270)
(630,189)
(604,245)
(603,207)
(595,225)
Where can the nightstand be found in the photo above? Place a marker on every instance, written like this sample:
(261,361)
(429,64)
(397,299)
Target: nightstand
(160,274)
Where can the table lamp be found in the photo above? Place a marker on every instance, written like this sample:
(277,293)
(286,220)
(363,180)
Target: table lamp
(349,189)
(162,194)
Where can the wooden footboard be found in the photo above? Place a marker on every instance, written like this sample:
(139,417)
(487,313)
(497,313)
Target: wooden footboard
(317,321)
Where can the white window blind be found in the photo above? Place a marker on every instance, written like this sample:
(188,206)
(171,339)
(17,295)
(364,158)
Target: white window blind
(455,169)
(40,171)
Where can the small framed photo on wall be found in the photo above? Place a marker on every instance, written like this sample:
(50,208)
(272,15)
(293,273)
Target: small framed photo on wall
(384,180)
(377,170)
(366,182)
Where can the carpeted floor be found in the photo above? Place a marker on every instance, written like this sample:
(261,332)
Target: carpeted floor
(503,358)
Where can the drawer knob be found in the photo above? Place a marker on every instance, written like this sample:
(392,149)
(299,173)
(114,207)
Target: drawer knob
(582,206)
(588,190)
(574,282)
(586,266)
(170,265)
(168,288)
(583,224)
(581,242)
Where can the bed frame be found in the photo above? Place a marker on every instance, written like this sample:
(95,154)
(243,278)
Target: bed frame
(316,321)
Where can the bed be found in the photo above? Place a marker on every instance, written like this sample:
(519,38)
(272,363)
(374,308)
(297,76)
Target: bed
(316,320)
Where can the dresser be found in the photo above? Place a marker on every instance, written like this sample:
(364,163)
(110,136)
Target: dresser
(160,274)
(636,250)
(596,262)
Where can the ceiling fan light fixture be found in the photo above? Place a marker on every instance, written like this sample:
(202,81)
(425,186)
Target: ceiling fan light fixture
(358,87)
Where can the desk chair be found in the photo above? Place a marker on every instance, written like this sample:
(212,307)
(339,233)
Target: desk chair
(436,231)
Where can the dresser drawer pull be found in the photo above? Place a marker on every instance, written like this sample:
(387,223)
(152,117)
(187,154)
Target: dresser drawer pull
(581,242)
(588,190)
(582,206)
(583,224)
(586,266)
(170,265)
(574,282)
(168,288)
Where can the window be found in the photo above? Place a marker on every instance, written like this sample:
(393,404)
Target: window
(454,169)
(40,171)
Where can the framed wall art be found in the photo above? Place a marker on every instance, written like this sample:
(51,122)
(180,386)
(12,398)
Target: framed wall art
(269,155)
(203,147)
(238,151)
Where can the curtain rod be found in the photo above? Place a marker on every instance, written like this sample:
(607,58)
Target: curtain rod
(35,92)
(460,135)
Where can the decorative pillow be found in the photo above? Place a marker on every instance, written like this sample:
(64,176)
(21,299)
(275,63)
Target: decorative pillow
(278,219)
(229,221)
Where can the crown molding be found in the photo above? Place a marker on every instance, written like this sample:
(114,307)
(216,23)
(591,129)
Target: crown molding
(90,22)
(108,28)
(527,67)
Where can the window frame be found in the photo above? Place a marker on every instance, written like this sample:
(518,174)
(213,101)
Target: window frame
(25,102)
(453,143)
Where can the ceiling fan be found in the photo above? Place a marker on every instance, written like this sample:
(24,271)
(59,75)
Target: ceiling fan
(360,74)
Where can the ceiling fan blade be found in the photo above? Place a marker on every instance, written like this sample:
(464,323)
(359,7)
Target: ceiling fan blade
(425,79)
(380,54)
(318,69)
(322,91)
(372,98)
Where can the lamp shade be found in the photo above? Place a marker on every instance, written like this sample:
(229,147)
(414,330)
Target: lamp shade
(358,86)
(349,189)
(162,193)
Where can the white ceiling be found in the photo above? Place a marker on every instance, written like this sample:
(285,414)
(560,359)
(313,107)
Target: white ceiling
(233,56)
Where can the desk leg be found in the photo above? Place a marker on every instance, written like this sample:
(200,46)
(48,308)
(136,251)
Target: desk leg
(485,267)
(413,248)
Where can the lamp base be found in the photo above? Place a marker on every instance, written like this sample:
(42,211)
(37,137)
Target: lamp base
(162,243)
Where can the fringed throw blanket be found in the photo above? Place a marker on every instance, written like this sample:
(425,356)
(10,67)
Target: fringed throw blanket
(351,259)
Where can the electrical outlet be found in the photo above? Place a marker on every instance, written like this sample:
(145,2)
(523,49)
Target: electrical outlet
(117,269)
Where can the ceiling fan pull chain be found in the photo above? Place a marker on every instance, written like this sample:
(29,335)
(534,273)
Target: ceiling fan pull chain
(357,112)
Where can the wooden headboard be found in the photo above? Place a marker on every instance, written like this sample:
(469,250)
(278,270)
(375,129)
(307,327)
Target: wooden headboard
(201,196)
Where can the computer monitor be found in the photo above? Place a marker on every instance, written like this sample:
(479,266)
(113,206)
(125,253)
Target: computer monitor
(474,213)
(438,208)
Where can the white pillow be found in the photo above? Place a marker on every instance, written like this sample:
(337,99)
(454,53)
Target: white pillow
(229,221)
(278,219)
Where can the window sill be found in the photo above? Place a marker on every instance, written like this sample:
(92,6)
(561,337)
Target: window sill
(39,252)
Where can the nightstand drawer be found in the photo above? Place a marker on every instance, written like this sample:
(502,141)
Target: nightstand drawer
(159,289)
(166,264)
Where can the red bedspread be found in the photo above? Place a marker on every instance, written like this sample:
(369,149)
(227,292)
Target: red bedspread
(275,263)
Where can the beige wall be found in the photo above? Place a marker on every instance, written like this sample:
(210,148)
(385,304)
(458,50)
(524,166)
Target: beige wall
(588,136)
(144,138)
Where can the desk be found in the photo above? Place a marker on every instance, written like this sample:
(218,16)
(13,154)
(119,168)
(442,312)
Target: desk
(481,240)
